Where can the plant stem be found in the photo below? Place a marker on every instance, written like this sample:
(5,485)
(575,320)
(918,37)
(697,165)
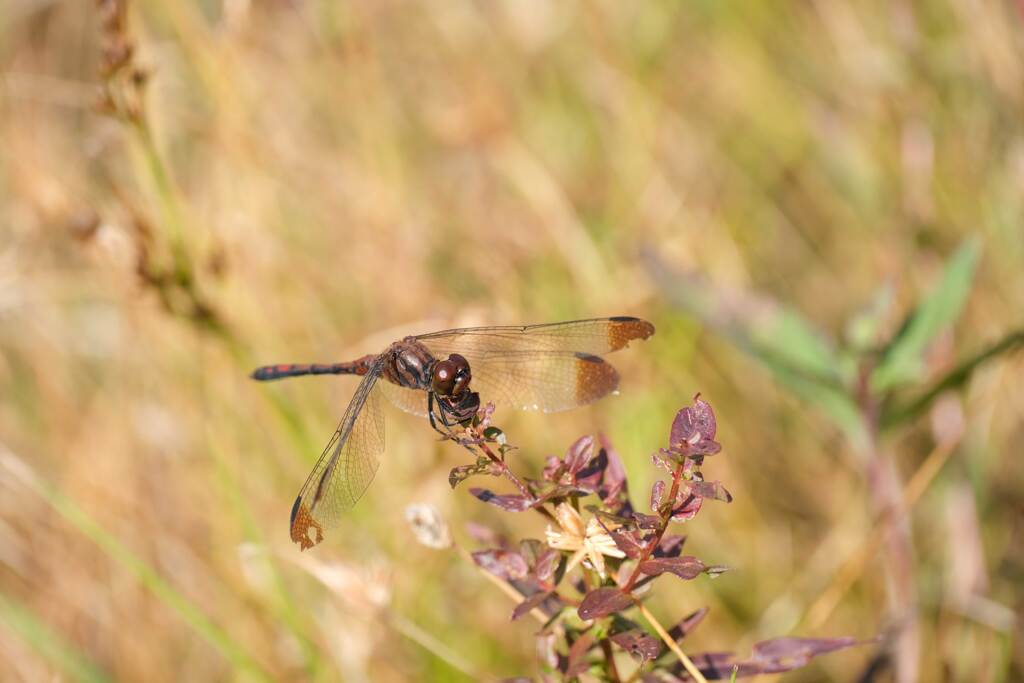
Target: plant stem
(508,590)
(167,193)
(500,462)
(672,644)
(609,656)
(510,475)
(666,516)
(952,380)
(854,565)
(898,560)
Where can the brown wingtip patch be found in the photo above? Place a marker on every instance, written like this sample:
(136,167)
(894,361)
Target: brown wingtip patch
(625,329)
(594,378)
(301,523)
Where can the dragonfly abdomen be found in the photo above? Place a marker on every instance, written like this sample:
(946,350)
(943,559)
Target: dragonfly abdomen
(272,372)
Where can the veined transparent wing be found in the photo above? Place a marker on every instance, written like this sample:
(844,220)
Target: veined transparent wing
(595,336)
(412,401)
(547,367)
(345,468)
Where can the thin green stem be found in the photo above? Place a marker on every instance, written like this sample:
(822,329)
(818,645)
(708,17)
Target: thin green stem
(951,380)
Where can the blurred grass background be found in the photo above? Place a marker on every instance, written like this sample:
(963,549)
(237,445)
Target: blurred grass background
(324,177)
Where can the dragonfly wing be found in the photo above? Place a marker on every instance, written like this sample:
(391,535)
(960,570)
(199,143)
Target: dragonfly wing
(547,381)
(410,400)
(596,336)
(548,367)
(345,468)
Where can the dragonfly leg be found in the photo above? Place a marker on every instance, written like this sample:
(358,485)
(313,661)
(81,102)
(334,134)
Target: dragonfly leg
(432,416)
(444,415)
(449,417)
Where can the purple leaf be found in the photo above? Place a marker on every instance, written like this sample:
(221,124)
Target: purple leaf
(579,454)
(530,549)
(605,516)
(463,472)
(577,663)
(547,565)
(529,603)
(483,534)
(623,573)
(628,542)
(505,564)
(602,602)
(693,430)
(613,489)
(786,654)
(671,545)
(687,506)
(685,567)
(639,644)
(511,503)
(718,666)
(657,494)
(710,489)
(688,623)
(698,420)
(770,656)
(665,460)
(591,476)
(553,468)
(559,491)
(646,521)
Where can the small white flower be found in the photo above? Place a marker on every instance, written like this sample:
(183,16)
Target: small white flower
(590,542)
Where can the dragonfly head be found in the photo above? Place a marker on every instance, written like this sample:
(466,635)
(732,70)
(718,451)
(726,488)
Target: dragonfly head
(451,377)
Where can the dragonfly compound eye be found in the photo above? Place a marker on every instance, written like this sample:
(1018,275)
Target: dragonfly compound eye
(462,374)
(443,381)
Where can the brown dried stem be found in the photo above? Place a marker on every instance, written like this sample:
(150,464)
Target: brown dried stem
(672,644)
(609,656)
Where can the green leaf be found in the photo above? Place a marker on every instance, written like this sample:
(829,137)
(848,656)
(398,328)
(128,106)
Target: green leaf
(954,379)
(781,339)
(903,359)
(863,328)
(786,335)
(833,400)
(774,334)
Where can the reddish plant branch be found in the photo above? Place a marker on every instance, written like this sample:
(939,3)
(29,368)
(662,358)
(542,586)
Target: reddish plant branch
(898,560)
(500,462)
(666,516)
(510,475)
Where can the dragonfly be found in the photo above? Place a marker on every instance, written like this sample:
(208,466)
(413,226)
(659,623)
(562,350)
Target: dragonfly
(547,368)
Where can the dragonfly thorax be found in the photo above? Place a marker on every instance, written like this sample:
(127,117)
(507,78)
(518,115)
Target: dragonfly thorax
(409,364)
